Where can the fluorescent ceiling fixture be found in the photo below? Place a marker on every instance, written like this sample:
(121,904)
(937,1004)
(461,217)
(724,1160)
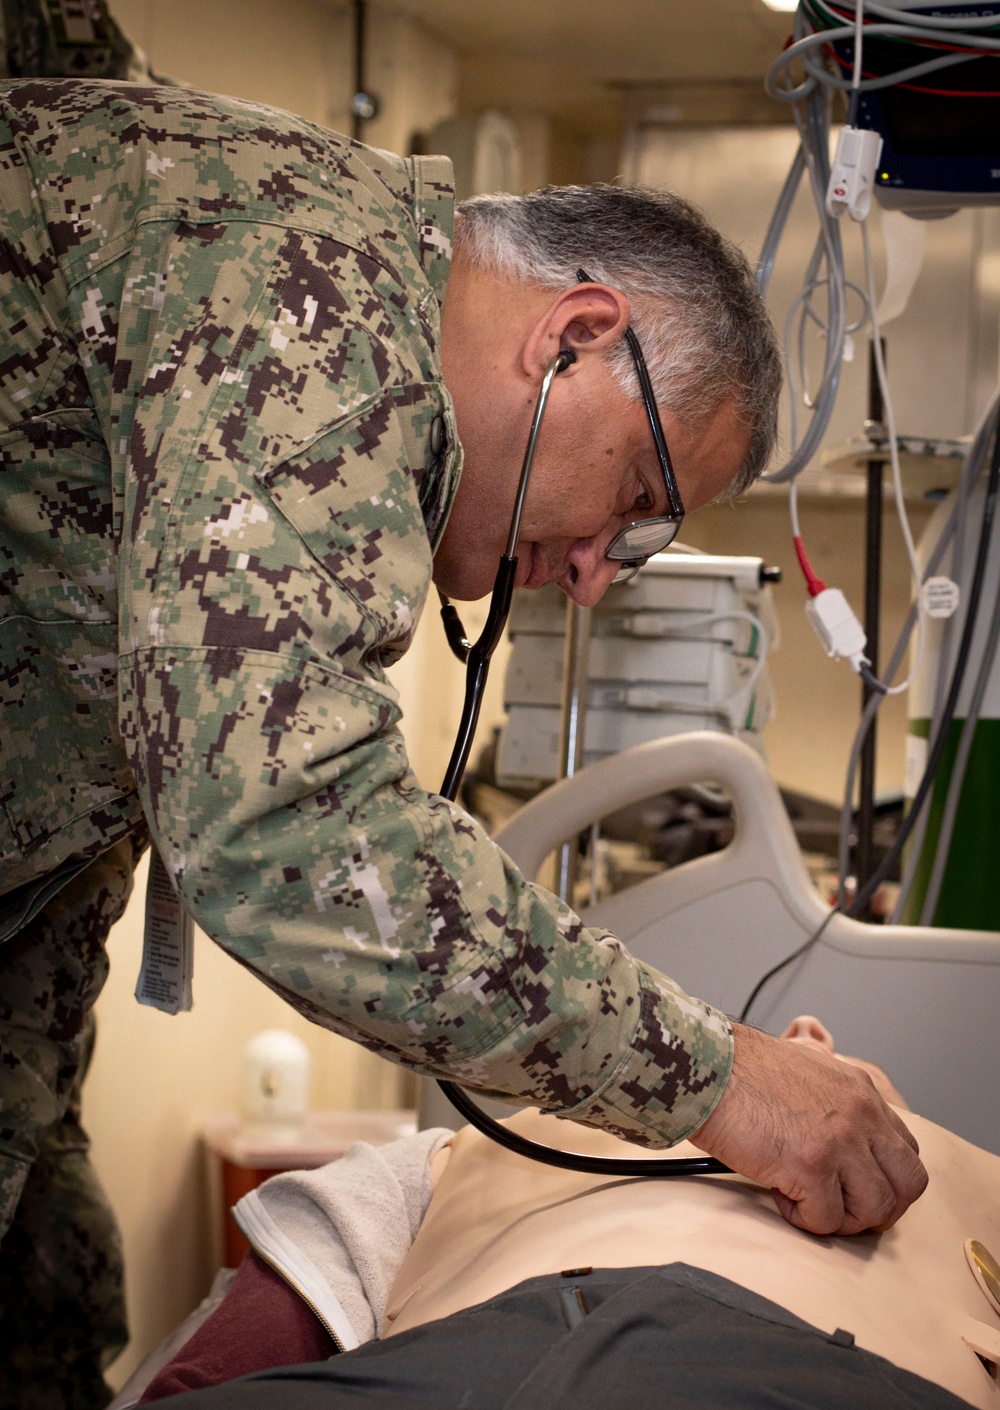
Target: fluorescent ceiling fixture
(782,4)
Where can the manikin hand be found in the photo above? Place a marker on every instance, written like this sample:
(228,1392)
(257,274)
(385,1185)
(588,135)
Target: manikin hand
(815,1130)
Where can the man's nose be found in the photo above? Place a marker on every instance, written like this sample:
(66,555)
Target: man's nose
(589,574)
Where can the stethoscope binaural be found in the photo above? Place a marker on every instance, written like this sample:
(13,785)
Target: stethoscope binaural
(476,656)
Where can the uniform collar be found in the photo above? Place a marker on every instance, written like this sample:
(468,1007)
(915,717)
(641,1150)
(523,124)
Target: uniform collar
(434,209)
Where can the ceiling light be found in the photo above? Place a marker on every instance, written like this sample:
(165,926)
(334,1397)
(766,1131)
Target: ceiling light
(782,4)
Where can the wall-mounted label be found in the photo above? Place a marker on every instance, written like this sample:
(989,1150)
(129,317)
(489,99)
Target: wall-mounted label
(940,597)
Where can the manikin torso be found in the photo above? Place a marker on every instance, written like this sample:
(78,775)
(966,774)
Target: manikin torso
(496,1219)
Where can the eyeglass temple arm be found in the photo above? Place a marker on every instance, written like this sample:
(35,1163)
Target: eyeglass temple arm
(652,413)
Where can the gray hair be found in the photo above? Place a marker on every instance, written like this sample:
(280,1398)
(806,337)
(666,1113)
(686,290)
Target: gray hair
(703,327)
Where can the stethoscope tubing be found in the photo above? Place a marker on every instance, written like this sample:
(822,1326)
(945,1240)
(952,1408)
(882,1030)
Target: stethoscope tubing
(477,658)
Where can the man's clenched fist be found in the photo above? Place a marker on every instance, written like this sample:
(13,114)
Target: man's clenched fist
(837,1159)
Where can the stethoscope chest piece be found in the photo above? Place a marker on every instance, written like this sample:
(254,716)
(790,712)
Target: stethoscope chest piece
(985,1270)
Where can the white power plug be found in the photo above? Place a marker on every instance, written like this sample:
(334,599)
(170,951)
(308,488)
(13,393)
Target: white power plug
(852,176)
(839,631)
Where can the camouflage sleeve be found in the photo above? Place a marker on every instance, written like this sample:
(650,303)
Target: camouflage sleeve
(267,579)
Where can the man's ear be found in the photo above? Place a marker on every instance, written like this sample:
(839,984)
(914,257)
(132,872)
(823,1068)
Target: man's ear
(588,318)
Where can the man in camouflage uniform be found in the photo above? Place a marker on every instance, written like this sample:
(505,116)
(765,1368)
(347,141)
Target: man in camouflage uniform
(62,1303)
(229,460)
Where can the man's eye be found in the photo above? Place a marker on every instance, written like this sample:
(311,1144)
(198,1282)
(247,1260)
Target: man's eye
(643,501)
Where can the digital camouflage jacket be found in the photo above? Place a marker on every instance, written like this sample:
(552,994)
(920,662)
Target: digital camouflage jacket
(218,509)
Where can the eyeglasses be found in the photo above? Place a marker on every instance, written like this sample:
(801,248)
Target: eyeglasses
(639,540)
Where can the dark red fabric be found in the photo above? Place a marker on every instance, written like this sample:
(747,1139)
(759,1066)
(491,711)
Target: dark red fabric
(260,1323)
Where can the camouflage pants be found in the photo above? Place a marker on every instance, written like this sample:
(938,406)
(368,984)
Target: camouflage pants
(61,1296)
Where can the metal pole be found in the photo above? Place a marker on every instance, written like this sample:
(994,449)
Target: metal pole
(576,655)
(357,108)
(864,863)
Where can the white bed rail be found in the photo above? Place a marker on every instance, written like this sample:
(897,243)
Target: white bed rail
(923,1002)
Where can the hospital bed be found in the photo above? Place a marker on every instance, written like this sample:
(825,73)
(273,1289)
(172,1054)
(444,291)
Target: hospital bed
(922,1003)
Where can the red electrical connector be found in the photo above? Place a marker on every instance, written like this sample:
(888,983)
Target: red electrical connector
(831,615)
(814,585)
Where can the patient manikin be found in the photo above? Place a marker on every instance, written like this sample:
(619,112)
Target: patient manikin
(908,1294)
(495,1220)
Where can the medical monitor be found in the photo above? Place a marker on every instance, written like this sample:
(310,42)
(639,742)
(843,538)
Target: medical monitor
(941,131)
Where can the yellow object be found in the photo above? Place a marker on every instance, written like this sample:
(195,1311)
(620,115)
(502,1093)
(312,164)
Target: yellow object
(985,1270)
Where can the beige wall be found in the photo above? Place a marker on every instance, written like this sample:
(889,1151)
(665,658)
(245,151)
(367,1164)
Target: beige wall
(239,47)
(299,55)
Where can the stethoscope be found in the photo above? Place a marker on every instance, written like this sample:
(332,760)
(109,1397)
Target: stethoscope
(476,657)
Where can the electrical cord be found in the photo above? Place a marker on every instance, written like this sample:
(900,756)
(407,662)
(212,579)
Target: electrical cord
(812,120)
(872,707)
(859,29)
(900,78)
(801,49)
(977,39)
(945,832)
(779,219)
(954,531)
(775,970)
(847,810)
(953,534)
(828,23)
(937,747)
(816,25)
(859,738)
(897,477)
(801,312)
(891,12)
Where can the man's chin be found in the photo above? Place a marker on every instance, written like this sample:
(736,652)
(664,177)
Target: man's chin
(464,584)
(470,581)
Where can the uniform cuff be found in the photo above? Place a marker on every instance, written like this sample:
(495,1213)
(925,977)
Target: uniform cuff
(673,1074)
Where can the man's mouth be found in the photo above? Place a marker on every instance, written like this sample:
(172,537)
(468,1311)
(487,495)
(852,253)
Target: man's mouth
(537,572)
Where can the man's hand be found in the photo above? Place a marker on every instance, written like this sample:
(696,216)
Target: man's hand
(837,1159)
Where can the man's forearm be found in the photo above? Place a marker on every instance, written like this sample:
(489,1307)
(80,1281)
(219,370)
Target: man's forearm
(388,915)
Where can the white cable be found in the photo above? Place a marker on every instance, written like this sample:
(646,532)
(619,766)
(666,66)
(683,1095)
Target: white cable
(859,21)
(827,79)
(952,539)
(814,132)
(970,22)
(897,477)
(707,619)
(801,308)
(803,46)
